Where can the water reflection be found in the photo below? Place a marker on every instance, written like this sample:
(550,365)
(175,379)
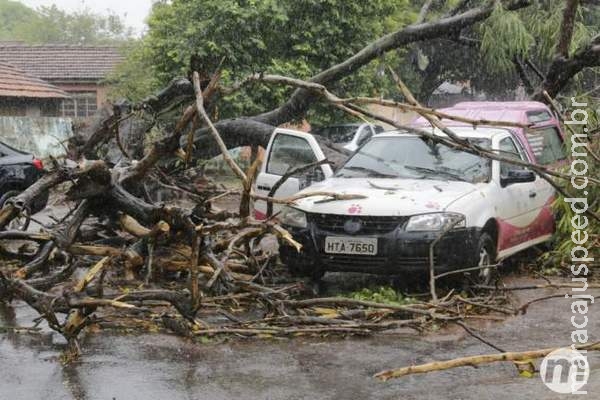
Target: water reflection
(72,381)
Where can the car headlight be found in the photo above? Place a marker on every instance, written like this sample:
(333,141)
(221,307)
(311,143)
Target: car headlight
(435,222)
(292,217)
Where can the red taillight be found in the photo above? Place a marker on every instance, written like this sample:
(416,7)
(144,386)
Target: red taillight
(38,164)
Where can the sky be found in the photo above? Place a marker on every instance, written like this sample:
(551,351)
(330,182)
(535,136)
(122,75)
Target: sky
(133,11)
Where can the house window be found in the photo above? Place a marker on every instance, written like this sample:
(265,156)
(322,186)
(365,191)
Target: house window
(80,105)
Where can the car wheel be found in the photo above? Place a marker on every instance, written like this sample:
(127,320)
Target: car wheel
(486,255)
(20,222)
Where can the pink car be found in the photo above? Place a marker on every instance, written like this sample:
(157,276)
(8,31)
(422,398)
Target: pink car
(543,141)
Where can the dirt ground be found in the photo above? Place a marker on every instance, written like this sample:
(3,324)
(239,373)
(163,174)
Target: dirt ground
(162,366)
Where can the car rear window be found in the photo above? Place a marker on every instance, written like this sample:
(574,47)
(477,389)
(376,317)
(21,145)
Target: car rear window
(535,117)
(547,145)
(337,133)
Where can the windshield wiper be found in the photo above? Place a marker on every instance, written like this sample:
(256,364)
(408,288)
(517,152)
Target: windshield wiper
(371,172)
(433,171)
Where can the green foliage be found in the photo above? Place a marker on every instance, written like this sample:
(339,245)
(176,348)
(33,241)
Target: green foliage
(300,38)
(543,21)
(297,38)
(13,15)
(133,79)
(53,25)
(504,36)
(381,294)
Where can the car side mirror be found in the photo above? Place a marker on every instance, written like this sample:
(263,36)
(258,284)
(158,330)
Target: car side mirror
(517,176)
(308,178)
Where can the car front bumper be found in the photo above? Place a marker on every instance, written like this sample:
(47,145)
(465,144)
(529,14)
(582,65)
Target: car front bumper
(398,251)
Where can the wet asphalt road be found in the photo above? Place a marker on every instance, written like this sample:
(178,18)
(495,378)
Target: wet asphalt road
(159,366)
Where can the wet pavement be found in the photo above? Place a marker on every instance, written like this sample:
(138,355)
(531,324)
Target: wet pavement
(161,366)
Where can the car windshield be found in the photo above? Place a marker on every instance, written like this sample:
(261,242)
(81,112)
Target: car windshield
(337,134)
(417,158)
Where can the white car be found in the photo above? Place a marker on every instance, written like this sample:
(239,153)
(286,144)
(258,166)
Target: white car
(413,190)
(349,136)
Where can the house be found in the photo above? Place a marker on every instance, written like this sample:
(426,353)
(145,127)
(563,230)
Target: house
(80,71)
(22,94)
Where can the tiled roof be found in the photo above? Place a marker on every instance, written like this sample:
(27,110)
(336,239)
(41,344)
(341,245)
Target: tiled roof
(16,83)
(62,62)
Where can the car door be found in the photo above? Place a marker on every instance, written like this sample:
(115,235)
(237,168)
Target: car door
(518,205)
(288,149)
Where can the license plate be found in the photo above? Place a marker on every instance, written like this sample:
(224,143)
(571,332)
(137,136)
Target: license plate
(350,245)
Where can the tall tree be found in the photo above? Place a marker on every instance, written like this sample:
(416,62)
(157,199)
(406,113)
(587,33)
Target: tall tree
(53,25)
(291,37)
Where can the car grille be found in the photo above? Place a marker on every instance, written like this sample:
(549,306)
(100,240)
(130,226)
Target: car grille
(412,261)
(352,262)
(370,225)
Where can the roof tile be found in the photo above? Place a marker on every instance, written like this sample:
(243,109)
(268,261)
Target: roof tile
(17,83)
(56,62)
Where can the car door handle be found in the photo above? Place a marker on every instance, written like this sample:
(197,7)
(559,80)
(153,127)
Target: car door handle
(263,187)
(532,194)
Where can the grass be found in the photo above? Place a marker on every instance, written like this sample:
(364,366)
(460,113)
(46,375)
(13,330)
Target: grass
(381,294)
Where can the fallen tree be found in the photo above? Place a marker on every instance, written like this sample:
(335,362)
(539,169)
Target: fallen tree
(210,259)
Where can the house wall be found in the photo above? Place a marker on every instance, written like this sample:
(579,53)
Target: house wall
(393,113)
(42,136)
(102,95)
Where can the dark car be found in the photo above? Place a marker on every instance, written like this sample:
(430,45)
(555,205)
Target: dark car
(18,171)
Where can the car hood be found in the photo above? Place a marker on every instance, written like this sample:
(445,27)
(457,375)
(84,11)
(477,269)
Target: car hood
(384,197)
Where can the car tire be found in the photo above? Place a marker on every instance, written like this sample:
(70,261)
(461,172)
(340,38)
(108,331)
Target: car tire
(21,223)
(485,255)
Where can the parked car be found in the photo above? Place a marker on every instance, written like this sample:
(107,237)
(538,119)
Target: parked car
(18,171)
(413,190)
(350,136)
(543,140)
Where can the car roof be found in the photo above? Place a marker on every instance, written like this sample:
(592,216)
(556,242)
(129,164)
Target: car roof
(515,111)
(462,131)
(502,105)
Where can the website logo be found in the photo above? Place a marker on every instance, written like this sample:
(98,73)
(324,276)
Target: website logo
(565,371)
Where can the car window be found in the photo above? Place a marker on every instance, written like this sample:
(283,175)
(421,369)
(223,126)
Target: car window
(508,149)
(378,129)
(340,134)
(547,145)
(538,116)
(289,152)
(414,157)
